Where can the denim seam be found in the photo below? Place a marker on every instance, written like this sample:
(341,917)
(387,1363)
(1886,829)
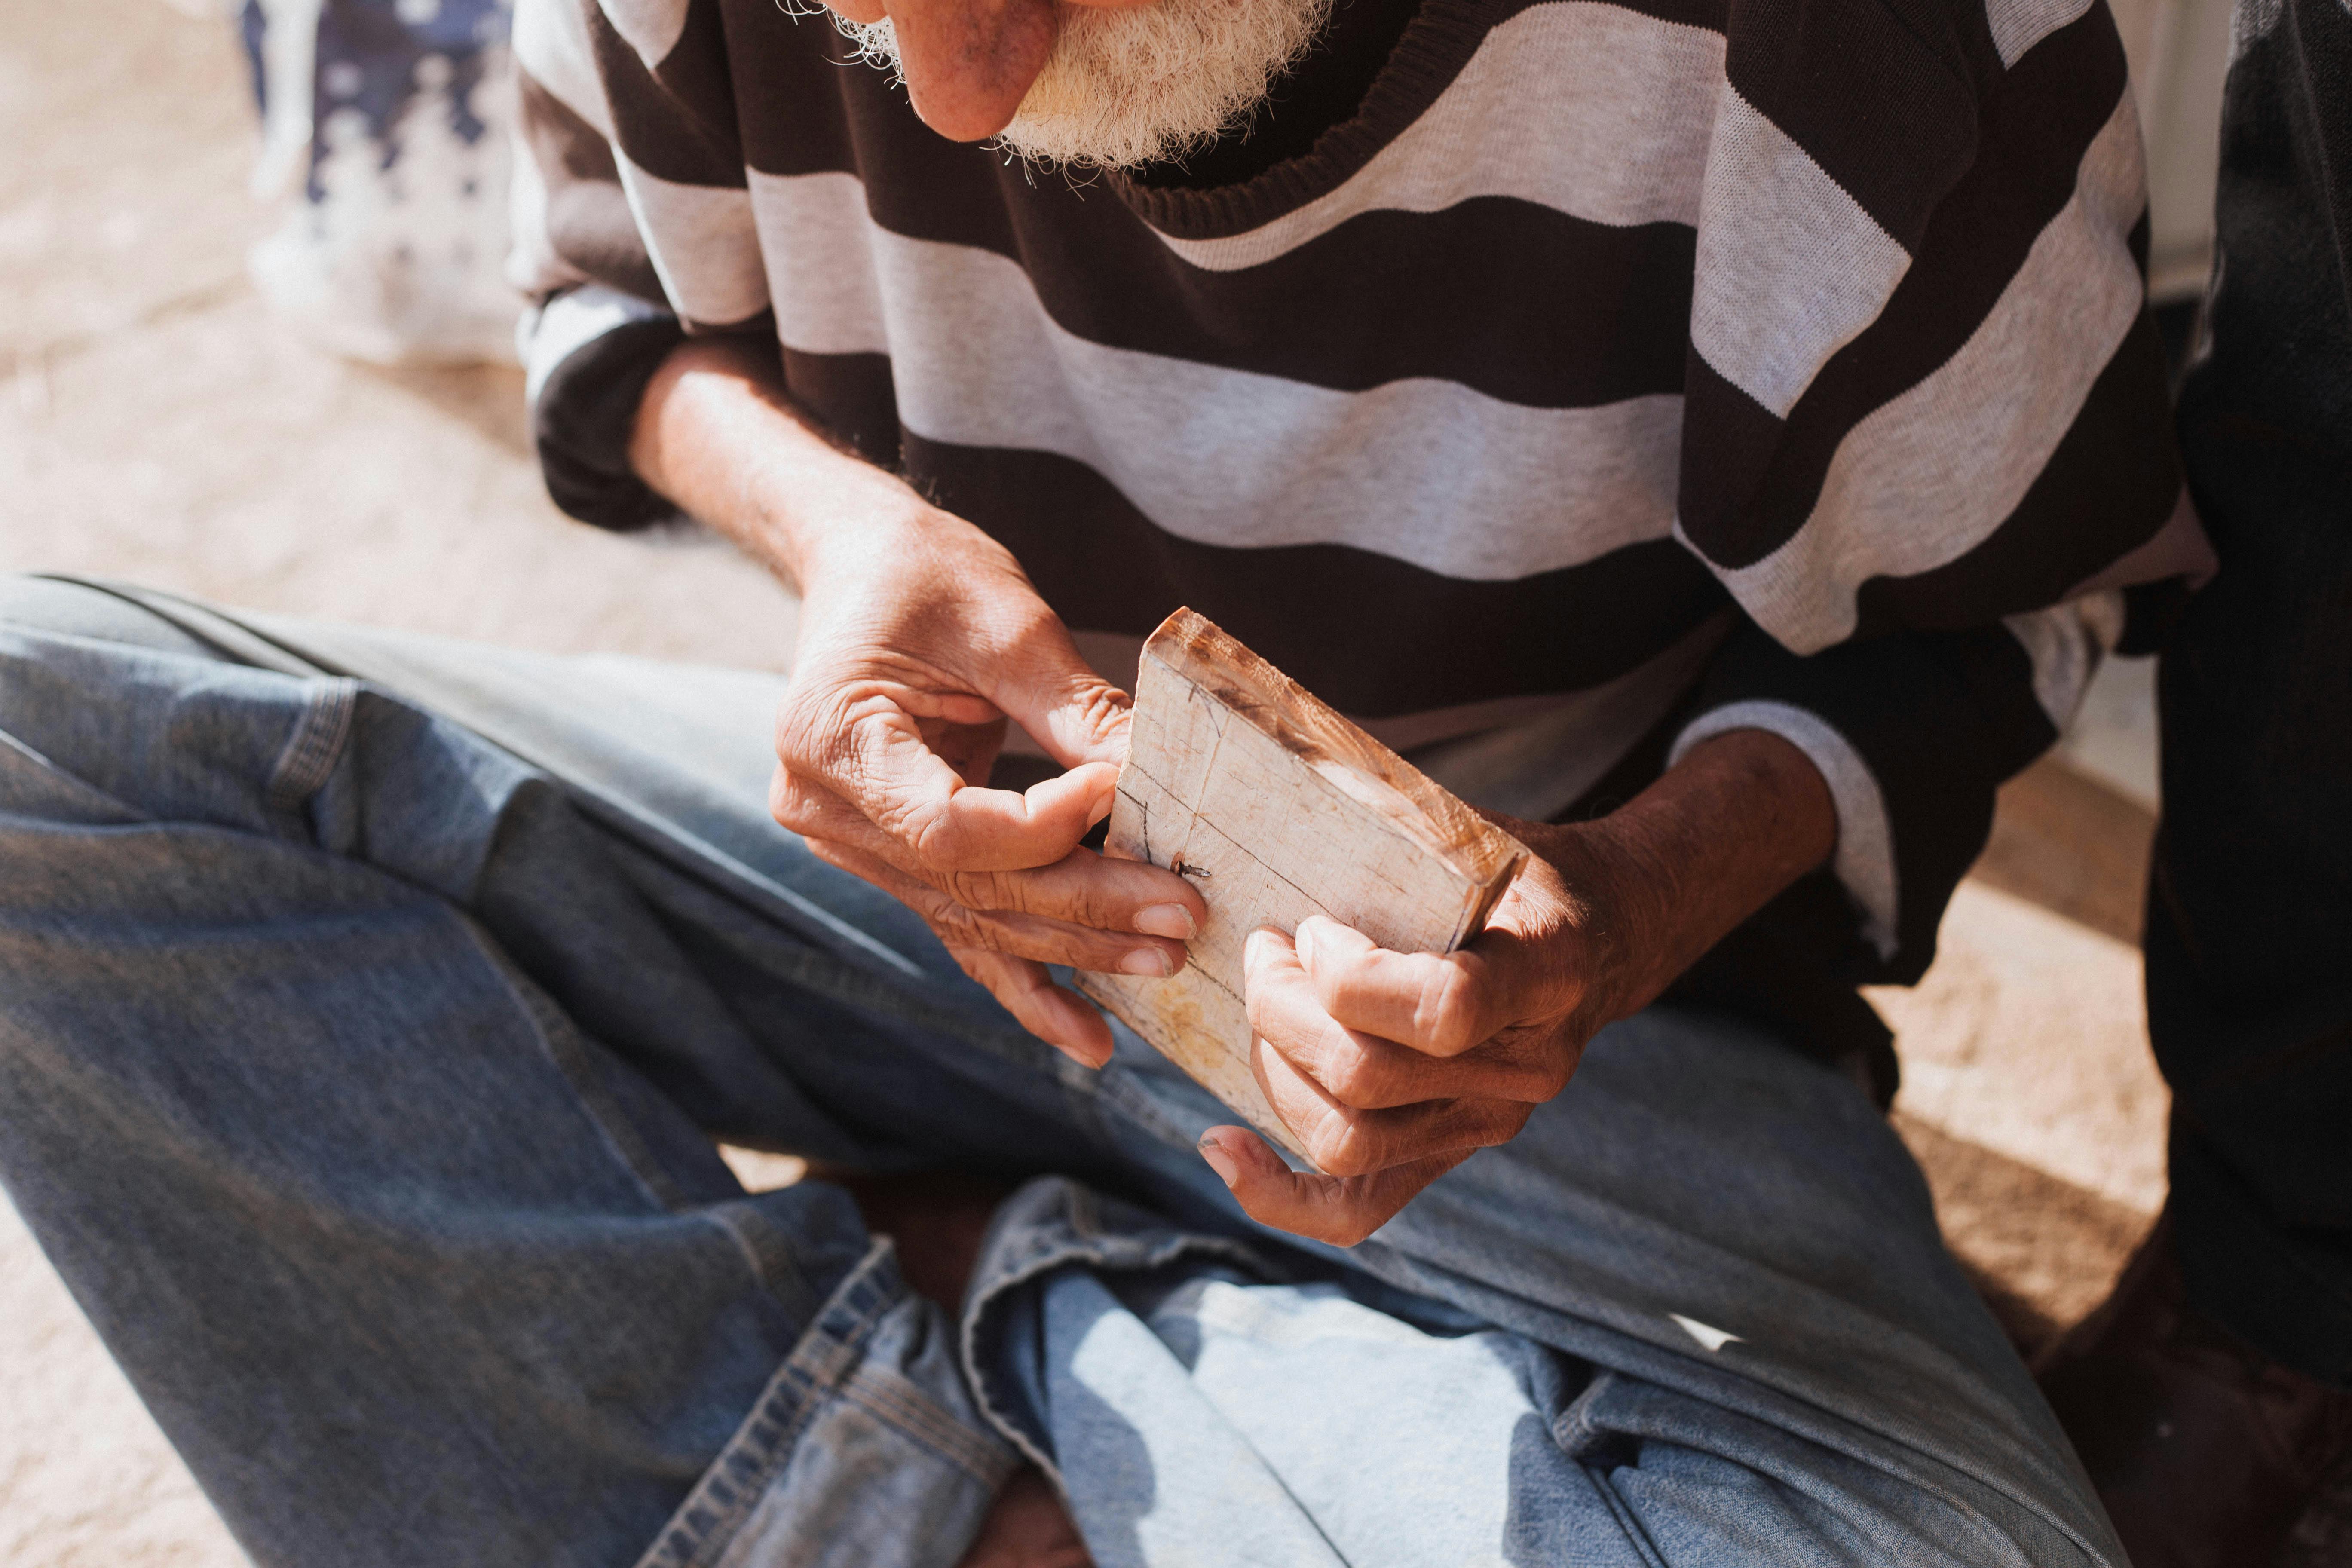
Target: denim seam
(1639,1424)
(769,1255)
(1578,1436)
(815,1372)
(316,746)
(124,814)
(891,1397)
(717,1507)
(237,643)
(1573,1428)
(1627,1520)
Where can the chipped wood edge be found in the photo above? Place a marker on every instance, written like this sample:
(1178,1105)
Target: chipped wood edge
(1414,803)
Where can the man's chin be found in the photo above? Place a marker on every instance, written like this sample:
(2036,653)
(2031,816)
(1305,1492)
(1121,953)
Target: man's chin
(1056,142)
(1131,86)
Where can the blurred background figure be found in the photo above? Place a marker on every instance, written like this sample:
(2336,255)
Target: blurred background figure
(2214,1394)
(386,128)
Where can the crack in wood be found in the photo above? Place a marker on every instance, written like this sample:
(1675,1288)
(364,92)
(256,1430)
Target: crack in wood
(1361,835)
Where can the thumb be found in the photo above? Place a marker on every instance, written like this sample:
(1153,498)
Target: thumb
(1048,689)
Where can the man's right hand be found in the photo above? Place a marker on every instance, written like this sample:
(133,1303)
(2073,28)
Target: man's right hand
(919,637)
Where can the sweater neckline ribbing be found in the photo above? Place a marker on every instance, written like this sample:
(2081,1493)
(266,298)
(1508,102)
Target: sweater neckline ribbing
(1435,44)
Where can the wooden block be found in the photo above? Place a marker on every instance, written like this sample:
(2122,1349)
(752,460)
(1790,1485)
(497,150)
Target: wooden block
(1277,808)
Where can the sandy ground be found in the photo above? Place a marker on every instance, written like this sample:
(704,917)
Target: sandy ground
(156,424)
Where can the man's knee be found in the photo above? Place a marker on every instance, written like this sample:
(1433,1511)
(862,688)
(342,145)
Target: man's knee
(110,712)
(69,608)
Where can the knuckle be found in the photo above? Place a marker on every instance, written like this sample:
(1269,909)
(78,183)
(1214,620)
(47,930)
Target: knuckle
(983,890)
(812,727)
(1342,1148)
(783,801)
(1105,710)
(792,730)
(1499,1123)
(1523,1086)
(1094,907)
(913,823)
(958,927)
(1074,900)
(1446,1013)
(1353,1075)
(1360,963)
(1530,1068)
(1342,975)
(796,807)
(1030,623)
(1344,1076)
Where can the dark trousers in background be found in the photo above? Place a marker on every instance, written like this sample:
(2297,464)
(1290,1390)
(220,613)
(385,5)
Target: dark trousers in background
(2249,912)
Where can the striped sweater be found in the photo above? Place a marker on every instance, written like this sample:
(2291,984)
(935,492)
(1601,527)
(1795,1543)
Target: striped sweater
(1606,375)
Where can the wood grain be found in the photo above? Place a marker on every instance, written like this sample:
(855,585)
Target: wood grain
(1277,808)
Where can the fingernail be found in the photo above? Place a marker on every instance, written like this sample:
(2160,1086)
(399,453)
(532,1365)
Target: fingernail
(1228,1172)
(1147,961)
(1166,920)
(1302,940)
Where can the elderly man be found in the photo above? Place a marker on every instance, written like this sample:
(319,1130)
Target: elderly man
(1720,440)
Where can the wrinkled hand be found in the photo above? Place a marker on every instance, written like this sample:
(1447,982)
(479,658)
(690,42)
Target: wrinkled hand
(920,637)
(1394,1068)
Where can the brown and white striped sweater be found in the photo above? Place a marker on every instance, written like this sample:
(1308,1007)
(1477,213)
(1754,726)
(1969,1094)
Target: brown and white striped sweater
(1605,374)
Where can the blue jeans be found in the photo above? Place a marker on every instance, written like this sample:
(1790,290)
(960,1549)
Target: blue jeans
(368,1006)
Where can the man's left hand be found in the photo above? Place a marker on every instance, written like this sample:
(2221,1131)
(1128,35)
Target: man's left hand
(1394,1068)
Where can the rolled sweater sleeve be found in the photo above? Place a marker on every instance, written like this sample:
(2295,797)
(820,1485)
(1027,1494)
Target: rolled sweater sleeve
(589,352)
(589,253)
(1912,733)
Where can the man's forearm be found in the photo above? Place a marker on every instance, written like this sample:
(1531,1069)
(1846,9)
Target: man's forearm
(717,434)
(1739,820)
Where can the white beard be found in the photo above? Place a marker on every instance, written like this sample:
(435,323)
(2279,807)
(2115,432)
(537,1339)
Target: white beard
(1134,85)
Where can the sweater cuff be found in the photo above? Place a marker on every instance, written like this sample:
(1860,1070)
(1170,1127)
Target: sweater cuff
(1913,732)
(1865,859)
(590,353)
